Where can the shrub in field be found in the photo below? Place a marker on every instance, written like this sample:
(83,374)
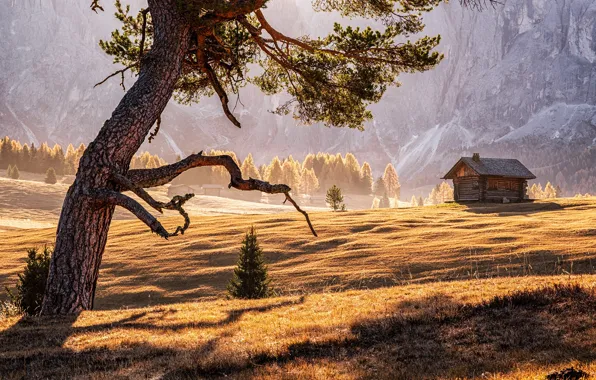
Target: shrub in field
(31,284)
(51,176)
(250,279)
(335,199)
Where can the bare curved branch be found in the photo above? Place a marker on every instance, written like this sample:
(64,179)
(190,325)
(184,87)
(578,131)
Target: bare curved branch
(165,174)
(119,199)
(121,72)
(289,198)
(175,204)
(160,176)
(223,97)
(95,6)
(127,184)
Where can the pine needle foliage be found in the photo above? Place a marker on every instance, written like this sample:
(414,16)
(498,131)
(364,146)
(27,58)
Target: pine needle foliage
(251,279)
(31,284)
(335,199)
(329,79)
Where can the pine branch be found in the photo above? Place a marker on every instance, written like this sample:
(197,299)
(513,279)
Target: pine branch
(119,199)
(223,97)
(143,33)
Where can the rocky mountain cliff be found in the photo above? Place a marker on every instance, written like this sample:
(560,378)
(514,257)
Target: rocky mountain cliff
(518,80)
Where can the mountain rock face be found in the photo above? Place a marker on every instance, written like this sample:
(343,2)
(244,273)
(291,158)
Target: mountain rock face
(518,80)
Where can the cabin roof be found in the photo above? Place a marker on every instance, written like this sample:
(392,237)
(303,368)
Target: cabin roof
(498,167)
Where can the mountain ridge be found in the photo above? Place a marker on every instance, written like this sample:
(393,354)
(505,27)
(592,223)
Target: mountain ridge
(521,71)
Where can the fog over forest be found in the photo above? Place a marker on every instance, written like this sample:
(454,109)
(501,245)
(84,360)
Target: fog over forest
(517,81)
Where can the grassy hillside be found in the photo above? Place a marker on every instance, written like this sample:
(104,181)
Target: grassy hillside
(406,293)
(355,250)
(436,330)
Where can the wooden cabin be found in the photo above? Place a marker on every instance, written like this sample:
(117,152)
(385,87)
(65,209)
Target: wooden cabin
(489,179)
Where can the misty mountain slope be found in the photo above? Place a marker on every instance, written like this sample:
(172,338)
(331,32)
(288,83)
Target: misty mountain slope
(521,72)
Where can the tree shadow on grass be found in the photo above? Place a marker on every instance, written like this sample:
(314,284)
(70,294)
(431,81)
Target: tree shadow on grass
(34,347)
(514,209)
(440,338)
(422,338)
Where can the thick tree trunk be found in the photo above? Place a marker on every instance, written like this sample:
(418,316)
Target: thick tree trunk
(84,222)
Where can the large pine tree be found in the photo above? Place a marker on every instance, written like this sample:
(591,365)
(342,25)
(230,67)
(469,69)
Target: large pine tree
(193,48)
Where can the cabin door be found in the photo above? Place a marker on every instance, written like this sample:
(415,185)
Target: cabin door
(468,189)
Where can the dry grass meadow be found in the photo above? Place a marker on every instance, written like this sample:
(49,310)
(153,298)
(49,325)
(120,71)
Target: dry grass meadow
(485,291)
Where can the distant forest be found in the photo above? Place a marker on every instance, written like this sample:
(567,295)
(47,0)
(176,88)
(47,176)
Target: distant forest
(39,159)
(313,175)
(316,173)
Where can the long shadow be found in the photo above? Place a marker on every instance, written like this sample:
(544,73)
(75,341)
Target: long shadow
(423,338)
(34,346)
(514,209)
(449,340)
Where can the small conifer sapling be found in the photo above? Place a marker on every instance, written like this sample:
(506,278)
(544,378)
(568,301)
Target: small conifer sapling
(15,174)
(335,199)
(31,284)
(250,279)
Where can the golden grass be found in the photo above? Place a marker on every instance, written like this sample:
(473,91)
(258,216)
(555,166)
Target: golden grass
(410,332)
(378,295)
(360,249)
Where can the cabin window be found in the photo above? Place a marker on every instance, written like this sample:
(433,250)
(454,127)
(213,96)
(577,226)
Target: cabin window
(503,185)
(494,184)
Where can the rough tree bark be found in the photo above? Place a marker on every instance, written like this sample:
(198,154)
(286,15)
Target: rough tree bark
(104,169)
(85,218)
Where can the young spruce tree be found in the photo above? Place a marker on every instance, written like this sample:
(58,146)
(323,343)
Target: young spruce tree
(31,284)
(335,199)
(385,202)
(250,275)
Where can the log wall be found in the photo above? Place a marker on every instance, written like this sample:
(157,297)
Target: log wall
(467,188)
(495,189)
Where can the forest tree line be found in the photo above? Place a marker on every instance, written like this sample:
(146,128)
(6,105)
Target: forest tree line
(39,159)
(313,175)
